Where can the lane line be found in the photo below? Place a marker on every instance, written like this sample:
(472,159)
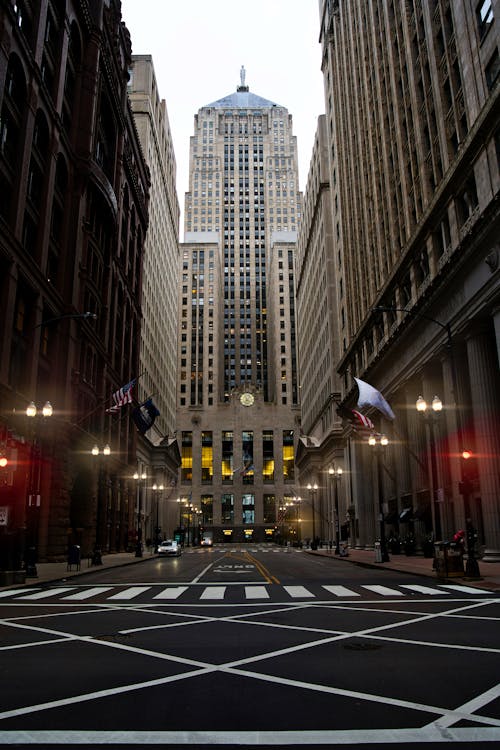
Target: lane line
(290,737)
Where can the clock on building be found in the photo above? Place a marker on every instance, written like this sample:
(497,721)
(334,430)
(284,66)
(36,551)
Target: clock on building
(247,399)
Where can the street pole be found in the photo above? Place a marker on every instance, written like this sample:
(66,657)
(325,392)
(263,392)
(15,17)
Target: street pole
(437,405)
(378,448)
(138,478)
(312,492)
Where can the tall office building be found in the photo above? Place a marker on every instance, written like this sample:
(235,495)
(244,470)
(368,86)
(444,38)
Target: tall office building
(410,190)
(157,449)
(237,384)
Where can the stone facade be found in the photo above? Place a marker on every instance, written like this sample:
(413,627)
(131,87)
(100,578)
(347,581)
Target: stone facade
(411,97)
(74,189)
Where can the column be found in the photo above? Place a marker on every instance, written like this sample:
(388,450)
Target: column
(483,368)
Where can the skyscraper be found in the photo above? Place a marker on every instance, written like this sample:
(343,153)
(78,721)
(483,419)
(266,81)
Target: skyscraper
(237,385)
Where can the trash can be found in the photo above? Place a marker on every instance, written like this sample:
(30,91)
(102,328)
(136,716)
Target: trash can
(448,560)
(31,560)
(97,556)
(74,557)
(378,552)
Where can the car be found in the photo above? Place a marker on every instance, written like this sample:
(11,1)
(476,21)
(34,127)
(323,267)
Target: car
(170,548)
(206,542)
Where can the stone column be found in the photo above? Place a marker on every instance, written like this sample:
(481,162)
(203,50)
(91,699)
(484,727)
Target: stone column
(483,368)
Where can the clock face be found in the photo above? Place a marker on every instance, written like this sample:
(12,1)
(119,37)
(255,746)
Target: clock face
(247,399)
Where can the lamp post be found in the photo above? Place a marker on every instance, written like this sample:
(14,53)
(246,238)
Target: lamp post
(336,474)
(431,418)
(378,446)
(157,489)
(312,488)
(34,499)
(97,556)
(139,478)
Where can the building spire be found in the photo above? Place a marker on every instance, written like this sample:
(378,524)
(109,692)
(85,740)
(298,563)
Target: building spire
(242,86)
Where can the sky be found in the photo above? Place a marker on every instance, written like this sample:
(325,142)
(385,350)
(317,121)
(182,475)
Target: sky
(199,46)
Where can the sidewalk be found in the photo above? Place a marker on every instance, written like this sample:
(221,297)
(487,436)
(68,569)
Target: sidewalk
(60,571)
(417,565)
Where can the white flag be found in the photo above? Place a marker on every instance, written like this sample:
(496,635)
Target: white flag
(369,396)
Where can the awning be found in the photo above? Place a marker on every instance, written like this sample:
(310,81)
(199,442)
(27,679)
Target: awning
(405,515)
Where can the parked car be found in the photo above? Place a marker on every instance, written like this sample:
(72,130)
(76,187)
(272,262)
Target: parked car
(169,548)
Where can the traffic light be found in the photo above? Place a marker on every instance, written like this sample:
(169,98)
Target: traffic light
(467,454)
(4,462)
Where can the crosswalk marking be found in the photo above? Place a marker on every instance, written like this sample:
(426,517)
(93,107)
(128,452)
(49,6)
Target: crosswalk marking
(48,592)
(256,592)
(384,590)
(171,593)
(213,592)
(87,594)
(464,589)
(422,589)
(340,591)
(130,593)
(298,592)
(247,591)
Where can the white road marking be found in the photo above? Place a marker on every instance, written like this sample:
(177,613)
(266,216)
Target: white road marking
(14,592)
(213,592)
(340,591)
(298,592)
(423,589)
(384,590)
(45,594)
(171,593)
(464,589)
(130,593)
(256,592)
(86,594)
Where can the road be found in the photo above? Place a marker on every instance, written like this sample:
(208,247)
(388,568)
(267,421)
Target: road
(249,646)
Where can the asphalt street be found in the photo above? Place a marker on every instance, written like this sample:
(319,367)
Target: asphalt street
(249,646)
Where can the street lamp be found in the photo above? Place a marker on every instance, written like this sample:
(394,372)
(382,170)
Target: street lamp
(431,418)
(156,489)
(336,475)
(97,555)
(34,488)
(312,492)
(138,478)
(378,445)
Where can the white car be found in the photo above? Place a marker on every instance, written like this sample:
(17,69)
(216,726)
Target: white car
(170,548)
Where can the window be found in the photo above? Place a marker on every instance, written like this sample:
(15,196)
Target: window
(269,502)
(187,457)
(247,457)
(248,508)
(484,17)
(288,456)
(267,456)
(207,463)
(227,508)
(207,509)
(227,456)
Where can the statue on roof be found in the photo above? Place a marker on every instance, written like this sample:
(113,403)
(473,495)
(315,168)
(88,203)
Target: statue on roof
(242,76)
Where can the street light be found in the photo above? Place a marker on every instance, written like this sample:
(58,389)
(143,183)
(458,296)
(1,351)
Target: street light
(431,418)
(34,488)
(138,478)
(97,555)
(336,475)
(378,443)
(156,489)
(312,491)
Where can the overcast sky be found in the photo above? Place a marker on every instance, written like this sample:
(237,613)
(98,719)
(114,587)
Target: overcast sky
(198,48)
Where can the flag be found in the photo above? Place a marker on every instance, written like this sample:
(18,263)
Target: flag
(359,422)
(369,396)
(121,397)
(144,416)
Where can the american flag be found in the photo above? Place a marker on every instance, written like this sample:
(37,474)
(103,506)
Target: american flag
(362,421)
(122,396)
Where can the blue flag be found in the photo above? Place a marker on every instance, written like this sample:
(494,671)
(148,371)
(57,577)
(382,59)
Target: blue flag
(144,416)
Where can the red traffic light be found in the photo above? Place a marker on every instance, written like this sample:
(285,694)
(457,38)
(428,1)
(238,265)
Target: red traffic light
(466,454)
(3,462)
